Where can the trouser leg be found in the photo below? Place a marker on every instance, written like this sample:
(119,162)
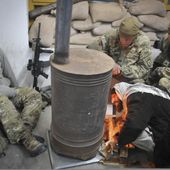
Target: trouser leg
(11,120)
(31,101)
(16,130)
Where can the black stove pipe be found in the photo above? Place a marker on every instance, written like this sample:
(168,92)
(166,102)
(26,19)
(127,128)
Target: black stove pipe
(62,34)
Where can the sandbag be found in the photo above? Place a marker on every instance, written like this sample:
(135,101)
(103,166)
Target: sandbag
(72,31)
(168,15)
(148,29)
(77,46)
(106,11)
(100,30)
(118,22)
(80,10)
(152,36)
(82,38)
(85,25)
(155,22)
(47,32)
(143,7)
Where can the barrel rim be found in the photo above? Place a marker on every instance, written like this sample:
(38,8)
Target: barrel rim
(90,62)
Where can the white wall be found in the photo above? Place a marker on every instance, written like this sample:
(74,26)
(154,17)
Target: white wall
(14,35)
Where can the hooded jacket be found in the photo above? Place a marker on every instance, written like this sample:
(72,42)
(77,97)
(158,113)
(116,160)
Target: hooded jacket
(147,106)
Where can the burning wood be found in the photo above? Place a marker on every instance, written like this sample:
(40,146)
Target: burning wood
(113,126)
(128,155)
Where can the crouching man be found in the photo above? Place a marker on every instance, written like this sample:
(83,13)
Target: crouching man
(146,106)
(19,112)
(130,49)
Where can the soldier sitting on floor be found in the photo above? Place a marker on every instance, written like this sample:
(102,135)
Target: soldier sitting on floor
(19,112)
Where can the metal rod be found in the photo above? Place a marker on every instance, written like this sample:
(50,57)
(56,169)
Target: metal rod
(62,37)
(50,150)
(96,159)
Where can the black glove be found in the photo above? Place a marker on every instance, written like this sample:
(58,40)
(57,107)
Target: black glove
(155,76)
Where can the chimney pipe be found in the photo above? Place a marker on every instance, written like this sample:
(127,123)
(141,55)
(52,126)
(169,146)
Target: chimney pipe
(62,34)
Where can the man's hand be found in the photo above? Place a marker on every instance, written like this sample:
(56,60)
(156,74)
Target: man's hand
(116,70)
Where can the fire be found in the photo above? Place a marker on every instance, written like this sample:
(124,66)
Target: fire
(113,125)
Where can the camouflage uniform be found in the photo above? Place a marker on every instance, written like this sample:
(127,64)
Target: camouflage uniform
(135,61)
(17,125)
(163,60)
(19,112)
(160,74)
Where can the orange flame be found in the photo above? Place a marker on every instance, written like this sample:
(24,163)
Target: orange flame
(113,125)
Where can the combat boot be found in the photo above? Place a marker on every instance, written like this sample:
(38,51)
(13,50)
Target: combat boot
(39,138)
(3,146)
(33,145)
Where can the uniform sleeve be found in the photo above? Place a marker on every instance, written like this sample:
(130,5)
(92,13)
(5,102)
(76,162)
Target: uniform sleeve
(138,116)
(100,44)
(104,42)
(139,62)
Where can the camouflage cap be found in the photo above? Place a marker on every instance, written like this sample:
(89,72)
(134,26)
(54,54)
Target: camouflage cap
(129,26)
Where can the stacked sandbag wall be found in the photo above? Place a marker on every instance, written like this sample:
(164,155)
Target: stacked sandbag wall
(91,19)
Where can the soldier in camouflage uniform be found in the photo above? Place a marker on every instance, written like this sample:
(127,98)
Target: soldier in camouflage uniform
(129,48)
(19,112)
(160,74)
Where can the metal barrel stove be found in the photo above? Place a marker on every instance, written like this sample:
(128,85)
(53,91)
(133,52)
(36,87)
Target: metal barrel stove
(79,99)
(80,86)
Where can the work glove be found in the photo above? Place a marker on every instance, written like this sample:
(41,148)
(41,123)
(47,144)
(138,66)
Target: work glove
(154,76)
(7,91)
(3,146)
(157,72)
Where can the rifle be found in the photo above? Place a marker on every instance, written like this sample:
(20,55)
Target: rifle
(36,66)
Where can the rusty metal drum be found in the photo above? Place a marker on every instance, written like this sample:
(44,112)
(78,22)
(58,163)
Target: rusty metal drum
(79,99)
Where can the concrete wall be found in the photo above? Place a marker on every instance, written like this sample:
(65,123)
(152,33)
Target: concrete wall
(14,35)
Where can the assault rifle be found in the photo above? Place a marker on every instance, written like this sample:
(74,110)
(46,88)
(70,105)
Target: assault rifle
(36,66)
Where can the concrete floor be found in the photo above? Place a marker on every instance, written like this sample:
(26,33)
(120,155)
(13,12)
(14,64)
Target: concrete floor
(18,158)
